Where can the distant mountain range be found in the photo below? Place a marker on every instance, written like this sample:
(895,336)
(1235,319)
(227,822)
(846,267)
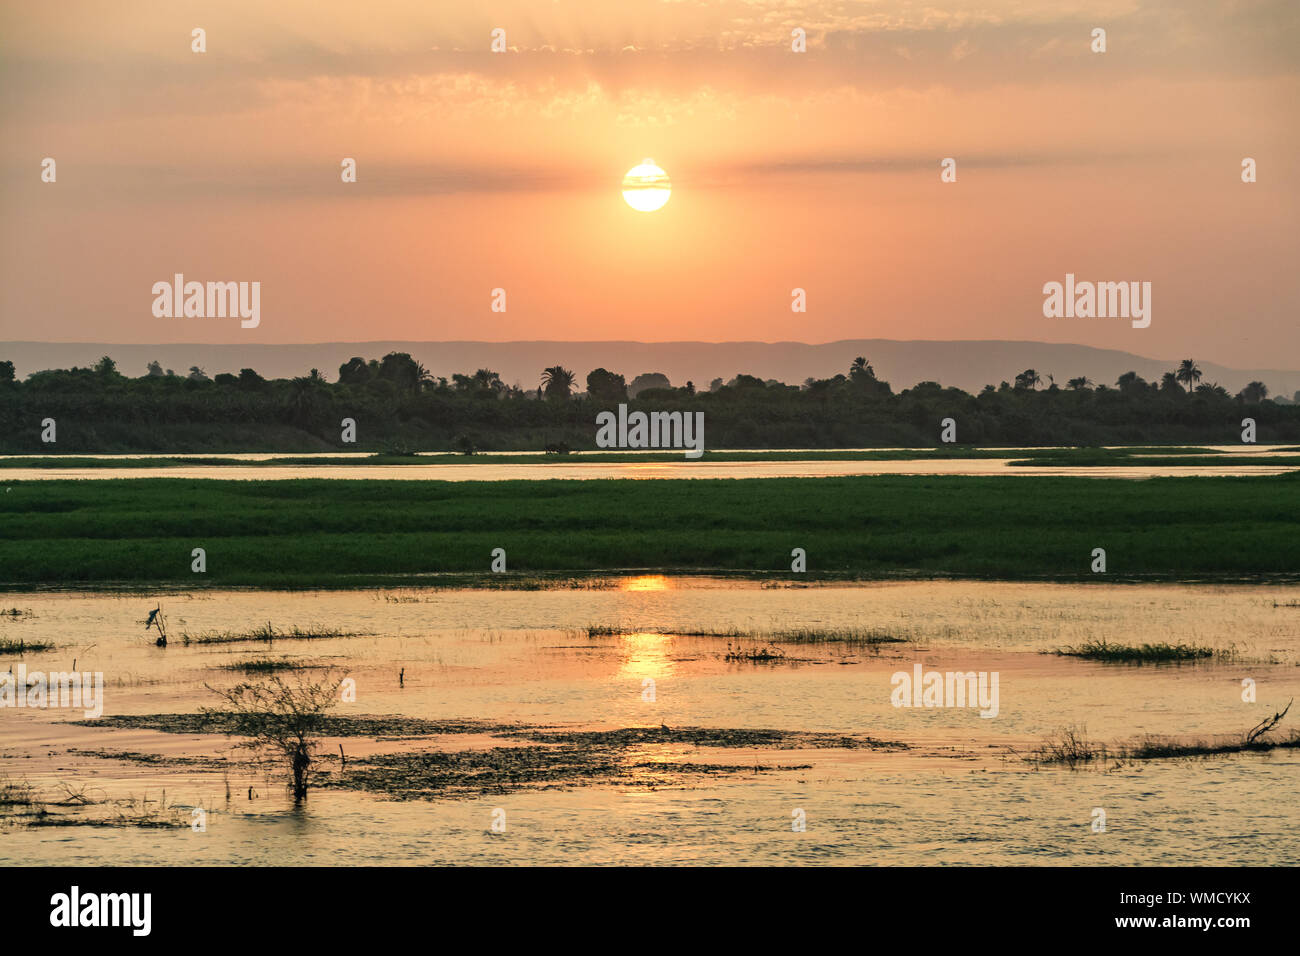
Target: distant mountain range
(969,365)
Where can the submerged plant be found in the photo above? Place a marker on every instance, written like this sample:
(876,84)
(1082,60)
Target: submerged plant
(265,665)
(753,655)
(1070,746)
(282,719)
(1102,650)
(21,646)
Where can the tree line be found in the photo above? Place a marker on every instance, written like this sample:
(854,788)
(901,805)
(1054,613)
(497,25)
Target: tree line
(399,407)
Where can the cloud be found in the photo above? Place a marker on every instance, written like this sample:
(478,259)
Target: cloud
(737,46)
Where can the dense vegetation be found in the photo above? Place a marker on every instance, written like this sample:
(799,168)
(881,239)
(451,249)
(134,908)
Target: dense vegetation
(320,533)
(399,408)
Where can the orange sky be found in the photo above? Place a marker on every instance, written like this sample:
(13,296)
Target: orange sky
(818,170)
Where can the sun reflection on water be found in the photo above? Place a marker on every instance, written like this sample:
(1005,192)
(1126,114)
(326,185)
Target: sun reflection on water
(646,582)
(646,655)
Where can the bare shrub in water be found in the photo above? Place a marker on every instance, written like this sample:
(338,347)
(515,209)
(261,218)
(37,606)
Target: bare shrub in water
(281,718)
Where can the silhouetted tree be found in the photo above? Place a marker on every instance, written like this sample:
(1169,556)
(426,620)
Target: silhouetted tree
(1028,379)
(285,720)
(250,379)
(483,381)
(404,372)
(1188,374)
(861,367)
(404,408)
(355,371)
(557,382)
(648,380)
(1253,393)
(606,386)
(1131,383)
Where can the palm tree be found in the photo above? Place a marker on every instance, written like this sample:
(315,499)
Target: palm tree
(1131,382)
(861,366)
(488,379)
(1254,392)
(1079,384)
(1188,374)
(1028,379)
(557,382)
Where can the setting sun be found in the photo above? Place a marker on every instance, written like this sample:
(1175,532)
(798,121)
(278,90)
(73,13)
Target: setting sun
(646,187)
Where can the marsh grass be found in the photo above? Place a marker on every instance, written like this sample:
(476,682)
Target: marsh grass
(17,793)
(1163,653)
(83,805)
(143,812)
(1071,746)
(739,654)
(138,812)
(266,634)
(22,646)
(266,665)
(849,637)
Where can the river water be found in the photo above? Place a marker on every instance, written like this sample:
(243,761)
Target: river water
(668,468)
(960,793)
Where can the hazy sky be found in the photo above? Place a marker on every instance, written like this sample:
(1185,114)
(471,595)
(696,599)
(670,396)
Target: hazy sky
(820,170)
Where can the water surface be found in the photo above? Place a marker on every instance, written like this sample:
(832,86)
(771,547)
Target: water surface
(669,468)
(960,794)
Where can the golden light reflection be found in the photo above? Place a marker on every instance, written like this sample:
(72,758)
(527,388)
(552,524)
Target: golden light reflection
(646,582)
(646,656)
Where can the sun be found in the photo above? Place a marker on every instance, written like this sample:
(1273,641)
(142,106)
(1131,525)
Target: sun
(646,187)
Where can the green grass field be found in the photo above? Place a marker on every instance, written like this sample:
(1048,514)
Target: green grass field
(319,533)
